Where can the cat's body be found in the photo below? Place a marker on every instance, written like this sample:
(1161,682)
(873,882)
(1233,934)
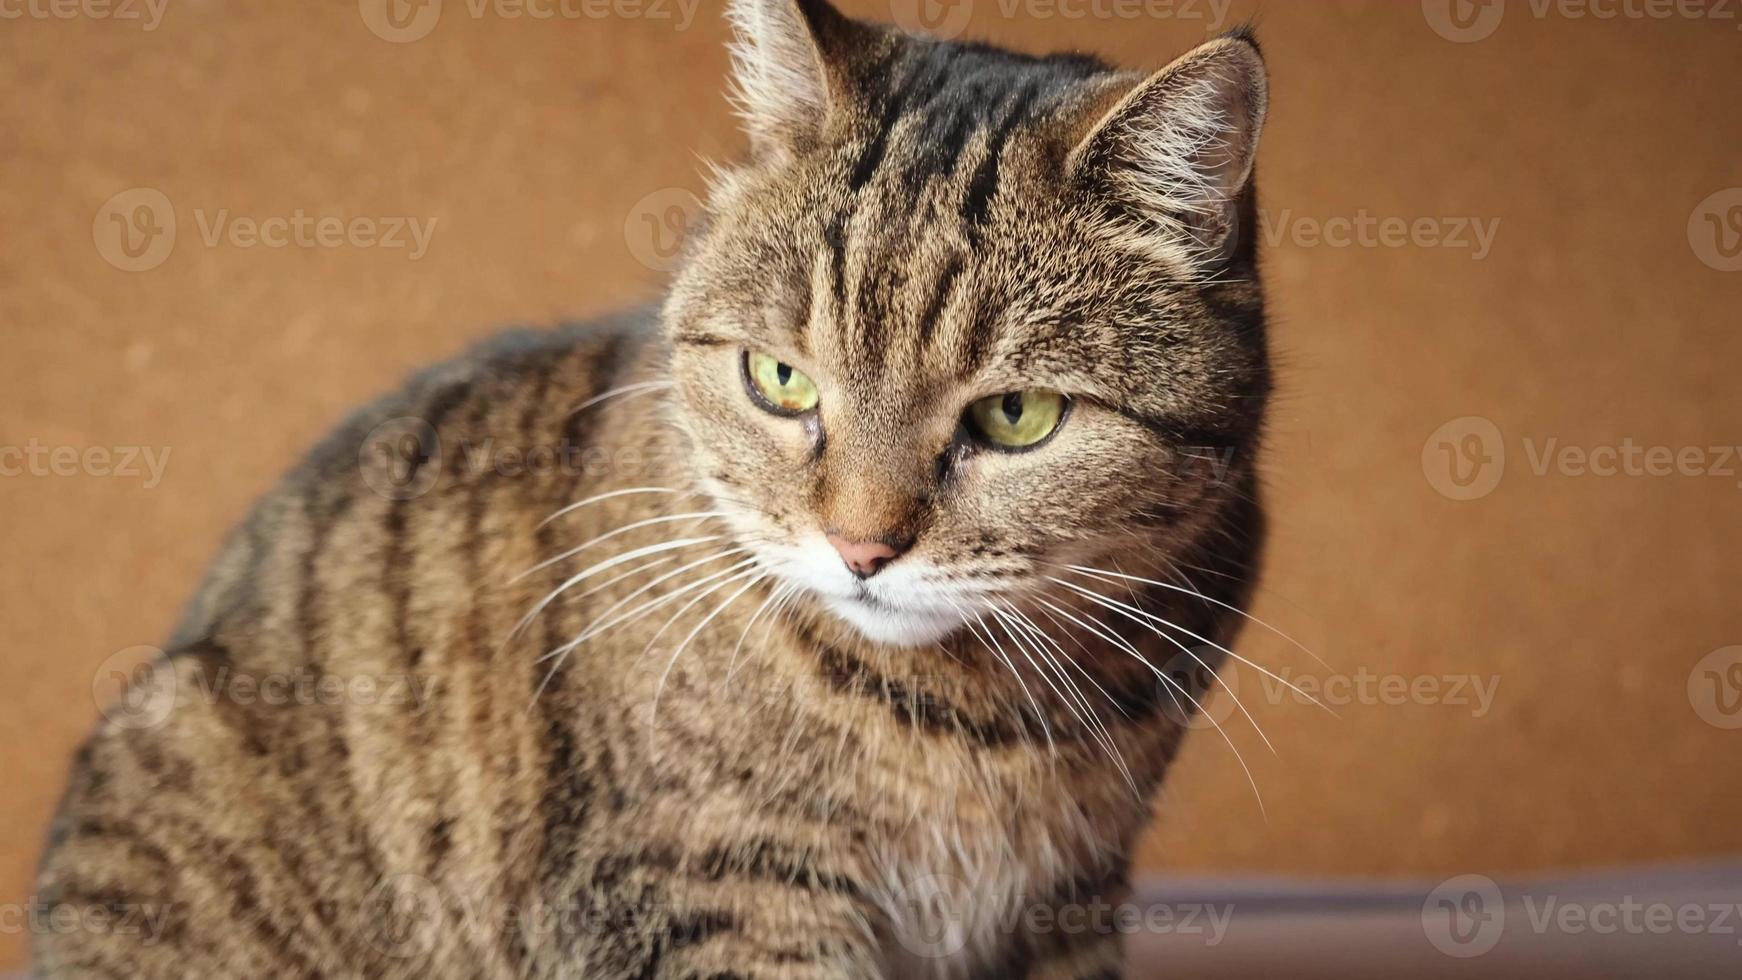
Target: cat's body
(726,774)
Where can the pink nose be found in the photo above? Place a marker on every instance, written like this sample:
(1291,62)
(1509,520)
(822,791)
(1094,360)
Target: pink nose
(864,558)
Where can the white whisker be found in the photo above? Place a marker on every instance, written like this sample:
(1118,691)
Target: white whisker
(1123,644)
(612,562)
(658,689)
(614,532)
(777,595)
(1099,734)
(780,609)
(1128,611)
(597,498)
(561,653)
(1080,645)
(640,387)
(613,580)
(985,637)
(1103,573)
(740,569)
(1063,654)
(1024,621)
(604,621)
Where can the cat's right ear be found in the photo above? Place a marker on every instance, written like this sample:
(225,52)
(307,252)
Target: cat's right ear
(793,67)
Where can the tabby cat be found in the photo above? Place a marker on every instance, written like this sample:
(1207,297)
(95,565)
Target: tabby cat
(828,622)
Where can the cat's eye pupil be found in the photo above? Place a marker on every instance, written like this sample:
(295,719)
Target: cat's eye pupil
(1016,419)
(775,385)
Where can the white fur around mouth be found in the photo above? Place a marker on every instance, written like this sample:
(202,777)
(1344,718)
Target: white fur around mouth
(883,623)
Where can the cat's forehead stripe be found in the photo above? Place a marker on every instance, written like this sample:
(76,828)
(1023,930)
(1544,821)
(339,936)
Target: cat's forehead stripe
(943,125)
(946,97)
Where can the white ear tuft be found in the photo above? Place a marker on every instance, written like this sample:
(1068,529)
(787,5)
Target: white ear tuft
(1176,153)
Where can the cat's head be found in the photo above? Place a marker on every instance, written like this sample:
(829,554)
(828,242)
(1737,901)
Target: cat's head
(967,315)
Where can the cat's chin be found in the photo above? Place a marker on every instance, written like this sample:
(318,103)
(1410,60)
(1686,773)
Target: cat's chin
(896,627)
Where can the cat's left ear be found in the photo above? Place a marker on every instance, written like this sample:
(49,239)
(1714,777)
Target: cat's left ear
(793,68)
(1174,155)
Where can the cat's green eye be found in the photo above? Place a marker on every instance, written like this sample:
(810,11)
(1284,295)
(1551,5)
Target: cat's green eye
(781,388)
(1018,419)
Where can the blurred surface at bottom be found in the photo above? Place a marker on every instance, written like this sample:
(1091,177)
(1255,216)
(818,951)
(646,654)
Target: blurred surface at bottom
(1674,923)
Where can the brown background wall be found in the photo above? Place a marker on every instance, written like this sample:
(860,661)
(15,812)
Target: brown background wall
(1596,314)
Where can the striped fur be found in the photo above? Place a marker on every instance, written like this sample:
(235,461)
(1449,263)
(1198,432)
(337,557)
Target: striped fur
(739,781)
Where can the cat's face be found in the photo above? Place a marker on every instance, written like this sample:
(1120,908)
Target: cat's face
(925,351)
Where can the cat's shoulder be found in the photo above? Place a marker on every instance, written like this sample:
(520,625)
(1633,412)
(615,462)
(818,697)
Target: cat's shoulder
(517,386)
